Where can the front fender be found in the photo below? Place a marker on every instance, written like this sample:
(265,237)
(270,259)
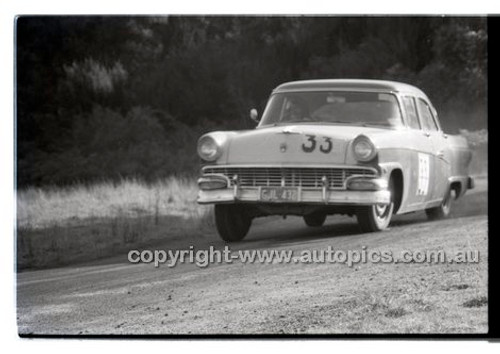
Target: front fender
(387,168)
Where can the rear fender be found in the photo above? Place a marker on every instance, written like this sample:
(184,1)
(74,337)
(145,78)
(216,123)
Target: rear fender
(460,184)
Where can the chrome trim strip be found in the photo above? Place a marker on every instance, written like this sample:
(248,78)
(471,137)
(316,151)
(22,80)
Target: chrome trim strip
(277,165)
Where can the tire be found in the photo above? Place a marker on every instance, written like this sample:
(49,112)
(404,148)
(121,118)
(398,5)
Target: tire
(231,221)
(442,211)
(315,219)
(375,218)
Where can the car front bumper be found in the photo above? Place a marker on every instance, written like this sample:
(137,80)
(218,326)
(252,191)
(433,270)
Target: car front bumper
(305,196)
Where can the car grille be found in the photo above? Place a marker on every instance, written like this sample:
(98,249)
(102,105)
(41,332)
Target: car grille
(289,176)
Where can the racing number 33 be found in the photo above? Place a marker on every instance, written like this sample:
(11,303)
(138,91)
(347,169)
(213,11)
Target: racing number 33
(310,144)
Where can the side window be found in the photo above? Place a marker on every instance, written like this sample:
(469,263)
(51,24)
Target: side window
(411,112)
(425,113)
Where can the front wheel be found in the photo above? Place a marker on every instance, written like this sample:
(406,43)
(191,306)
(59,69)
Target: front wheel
(442,211)
(377,217)
(232,222)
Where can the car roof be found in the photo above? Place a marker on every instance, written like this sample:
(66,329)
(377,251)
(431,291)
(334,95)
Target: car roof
(349,84)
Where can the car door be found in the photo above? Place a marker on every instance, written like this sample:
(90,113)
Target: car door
(440,164)
(420,155)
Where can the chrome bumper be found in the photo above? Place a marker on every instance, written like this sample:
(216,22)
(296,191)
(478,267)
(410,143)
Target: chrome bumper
(305,196)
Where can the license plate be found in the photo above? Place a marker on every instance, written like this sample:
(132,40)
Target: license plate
(279,194)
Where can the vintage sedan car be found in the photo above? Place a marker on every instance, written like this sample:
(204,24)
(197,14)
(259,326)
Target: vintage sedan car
(367,148)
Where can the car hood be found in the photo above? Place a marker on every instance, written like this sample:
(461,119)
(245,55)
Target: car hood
(294,144)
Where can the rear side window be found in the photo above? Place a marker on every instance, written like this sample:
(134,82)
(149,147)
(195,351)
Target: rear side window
(428,122)
(411,112)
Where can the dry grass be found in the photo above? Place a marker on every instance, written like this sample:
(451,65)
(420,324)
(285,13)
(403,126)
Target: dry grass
(60,225)
(46,207)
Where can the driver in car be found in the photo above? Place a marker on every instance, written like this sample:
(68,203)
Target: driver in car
(296,112)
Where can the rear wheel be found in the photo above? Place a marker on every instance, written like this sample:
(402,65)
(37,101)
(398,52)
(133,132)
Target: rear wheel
(442,211)
(315,219)
(232,222)
(376,217)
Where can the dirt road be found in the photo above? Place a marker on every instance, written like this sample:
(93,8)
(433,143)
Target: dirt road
(113,296)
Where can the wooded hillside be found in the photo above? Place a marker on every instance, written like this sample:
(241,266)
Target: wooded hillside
(102,98)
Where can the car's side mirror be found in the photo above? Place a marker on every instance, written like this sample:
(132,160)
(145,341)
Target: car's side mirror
(254,115)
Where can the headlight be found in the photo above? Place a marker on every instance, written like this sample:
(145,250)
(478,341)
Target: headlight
(363,148)
(208,148)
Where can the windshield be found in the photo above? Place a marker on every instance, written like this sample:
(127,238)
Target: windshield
(336,107)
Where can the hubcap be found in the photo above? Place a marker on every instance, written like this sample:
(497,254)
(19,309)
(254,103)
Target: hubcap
(382,212)
(381,209)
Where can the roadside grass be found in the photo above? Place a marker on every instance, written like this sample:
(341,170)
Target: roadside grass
(58,226)
(43,207)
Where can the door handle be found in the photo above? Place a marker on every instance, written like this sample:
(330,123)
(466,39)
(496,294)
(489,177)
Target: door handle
(440,154)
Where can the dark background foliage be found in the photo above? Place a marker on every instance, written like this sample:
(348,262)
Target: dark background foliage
(114,97)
